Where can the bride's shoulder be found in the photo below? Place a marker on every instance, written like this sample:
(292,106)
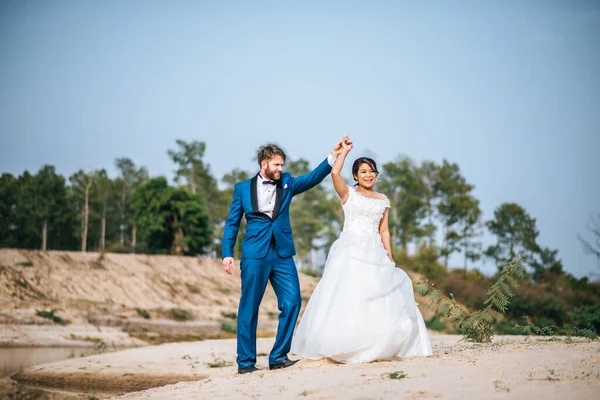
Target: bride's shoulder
(380,196)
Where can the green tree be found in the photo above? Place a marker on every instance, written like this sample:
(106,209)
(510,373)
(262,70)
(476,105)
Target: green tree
(105,199)
(130,178)
(26,229)
(406,189)
(516,234)
(37,211)
(191,167)
(49,201)
(171,220)
(546,260)
(468,230)
(81,183)
(454,207)
(429,174)
(332,214)
(8,215)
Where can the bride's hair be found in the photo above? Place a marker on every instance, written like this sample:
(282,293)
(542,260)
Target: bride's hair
(363,160)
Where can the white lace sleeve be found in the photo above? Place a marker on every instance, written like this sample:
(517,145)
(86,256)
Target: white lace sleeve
(387,203)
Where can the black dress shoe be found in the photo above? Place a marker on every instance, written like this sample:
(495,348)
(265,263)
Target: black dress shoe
(284,364)
(247,370)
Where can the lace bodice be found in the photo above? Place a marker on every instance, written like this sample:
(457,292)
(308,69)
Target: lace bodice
(363,214)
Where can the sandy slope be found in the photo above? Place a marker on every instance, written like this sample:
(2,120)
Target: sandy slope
(104,291)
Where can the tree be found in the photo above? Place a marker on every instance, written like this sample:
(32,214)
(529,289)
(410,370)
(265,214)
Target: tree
(191,167)
(454,206)
(171,220)
(460,237)
(469,230)
(189,222)
(49,202)
(516,234)
(81,183)
(590,247)
(546,260)
(232,178)
(105,190)
(429,174)
(130,178)
(332,214)
(26,229)
(8,205)
(406,190)
(35,210)
(189,162)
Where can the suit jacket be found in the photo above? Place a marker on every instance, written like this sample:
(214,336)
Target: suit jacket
(259,226)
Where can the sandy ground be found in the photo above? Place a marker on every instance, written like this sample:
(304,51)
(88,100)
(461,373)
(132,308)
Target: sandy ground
(511,367)
(99,295)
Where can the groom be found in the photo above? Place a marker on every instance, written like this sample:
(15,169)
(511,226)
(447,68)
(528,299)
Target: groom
(268,250)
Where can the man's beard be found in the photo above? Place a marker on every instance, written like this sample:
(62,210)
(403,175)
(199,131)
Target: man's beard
(272,175)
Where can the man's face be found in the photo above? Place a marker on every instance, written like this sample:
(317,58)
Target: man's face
(272,169)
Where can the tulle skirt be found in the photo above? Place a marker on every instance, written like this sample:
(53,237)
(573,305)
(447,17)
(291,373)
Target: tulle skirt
(363,308)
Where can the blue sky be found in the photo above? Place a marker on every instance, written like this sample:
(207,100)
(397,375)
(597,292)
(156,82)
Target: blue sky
(508,90)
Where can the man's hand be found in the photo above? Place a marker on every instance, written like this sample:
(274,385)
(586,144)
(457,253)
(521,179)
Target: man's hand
(339,147)
(228,263)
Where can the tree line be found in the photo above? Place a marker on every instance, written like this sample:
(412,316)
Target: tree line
(133,212)
(435,218)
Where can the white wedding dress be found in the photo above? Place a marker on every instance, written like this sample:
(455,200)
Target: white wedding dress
(363,308)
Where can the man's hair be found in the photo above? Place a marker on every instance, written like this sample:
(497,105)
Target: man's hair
(267,152)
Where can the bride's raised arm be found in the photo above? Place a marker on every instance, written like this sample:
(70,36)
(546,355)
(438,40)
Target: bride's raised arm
(338,182)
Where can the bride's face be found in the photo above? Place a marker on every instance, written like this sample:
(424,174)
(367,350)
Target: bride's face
(366,176)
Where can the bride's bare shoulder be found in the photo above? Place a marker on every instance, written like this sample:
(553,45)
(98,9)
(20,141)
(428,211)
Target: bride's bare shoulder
(380,196)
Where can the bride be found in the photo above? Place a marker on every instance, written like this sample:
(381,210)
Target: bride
(363,308)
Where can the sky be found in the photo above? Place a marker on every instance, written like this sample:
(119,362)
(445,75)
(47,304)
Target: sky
(508,90)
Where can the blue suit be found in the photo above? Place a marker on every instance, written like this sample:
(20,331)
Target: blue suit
(267,251)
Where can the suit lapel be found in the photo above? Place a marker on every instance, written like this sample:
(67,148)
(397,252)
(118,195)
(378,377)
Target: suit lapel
(278,198)
(254,198)
(253,194)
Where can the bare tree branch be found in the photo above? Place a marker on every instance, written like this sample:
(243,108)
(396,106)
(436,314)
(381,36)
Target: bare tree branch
(594,227)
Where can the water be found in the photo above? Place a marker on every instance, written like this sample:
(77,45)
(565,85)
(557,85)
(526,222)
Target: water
(13,360)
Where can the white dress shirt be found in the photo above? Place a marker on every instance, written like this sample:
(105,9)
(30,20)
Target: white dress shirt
(265,192)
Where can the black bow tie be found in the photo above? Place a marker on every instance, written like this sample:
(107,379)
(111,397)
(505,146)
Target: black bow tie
(269,183)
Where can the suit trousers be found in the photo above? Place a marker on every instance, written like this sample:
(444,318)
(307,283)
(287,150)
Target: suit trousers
(282,273)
